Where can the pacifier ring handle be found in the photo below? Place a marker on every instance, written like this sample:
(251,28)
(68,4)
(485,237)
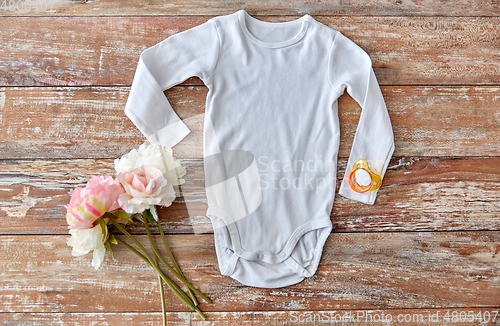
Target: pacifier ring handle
(360,189)
(375,179)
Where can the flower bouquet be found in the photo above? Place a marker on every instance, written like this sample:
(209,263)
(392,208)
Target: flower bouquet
(145,178)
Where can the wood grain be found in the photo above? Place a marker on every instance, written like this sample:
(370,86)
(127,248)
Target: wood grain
(430,244)
(357,271)
(60,51)
(89,122)
(418,194)
(403,317)
(273,7)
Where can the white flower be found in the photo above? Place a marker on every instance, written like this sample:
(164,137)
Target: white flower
(85,240)
(144,186)
(156,156)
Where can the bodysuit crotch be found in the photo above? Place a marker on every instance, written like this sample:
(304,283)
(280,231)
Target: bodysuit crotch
(252,246)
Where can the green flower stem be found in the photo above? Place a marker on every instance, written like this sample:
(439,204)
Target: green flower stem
(179,276)
(126,245)
(122,230)
(174,287)
(148,259)
(177,268)
(162,295)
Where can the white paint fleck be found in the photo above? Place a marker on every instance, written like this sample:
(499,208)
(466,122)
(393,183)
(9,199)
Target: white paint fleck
(24,203)
(2,103)
(486,257)
(101,56)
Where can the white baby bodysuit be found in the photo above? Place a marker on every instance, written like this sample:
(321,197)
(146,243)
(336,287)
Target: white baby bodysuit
(271,134)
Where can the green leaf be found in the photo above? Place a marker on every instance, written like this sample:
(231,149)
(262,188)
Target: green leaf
(104,229)
(101,222)
(152,210)
(139,217)
(147,214)
(108,248)
(121,214)
(112,239)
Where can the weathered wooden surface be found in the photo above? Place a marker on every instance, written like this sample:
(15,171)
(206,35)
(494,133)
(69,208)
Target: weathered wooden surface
(257,8)
(83,122)
(392,317)
(60,51)
(429,245)
(357,271)
(418,194)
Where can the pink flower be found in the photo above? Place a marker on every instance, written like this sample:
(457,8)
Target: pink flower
(99,196)
(144,186)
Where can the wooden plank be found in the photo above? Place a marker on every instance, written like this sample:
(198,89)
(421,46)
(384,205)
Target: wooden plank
(59,51)
(273,7)
(89,122)
(418,194)
(357,271)
(403,317)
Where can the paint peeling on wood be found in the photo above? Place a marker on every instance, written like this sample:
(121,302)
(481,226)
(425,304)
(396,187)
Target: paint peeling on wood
(404,50)
(390,317)
(418,193)
(370,262)
(273,7)
(21,204)
(76,122)
(2,107)
(389,274)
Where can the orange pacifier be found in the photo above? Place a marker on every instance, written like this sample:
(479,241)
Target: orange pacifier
(362,179)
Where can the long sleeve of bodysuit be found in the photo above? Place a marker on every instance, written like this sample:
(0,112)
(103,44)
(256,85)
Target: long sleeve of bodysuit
(350,68)
(193,52)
